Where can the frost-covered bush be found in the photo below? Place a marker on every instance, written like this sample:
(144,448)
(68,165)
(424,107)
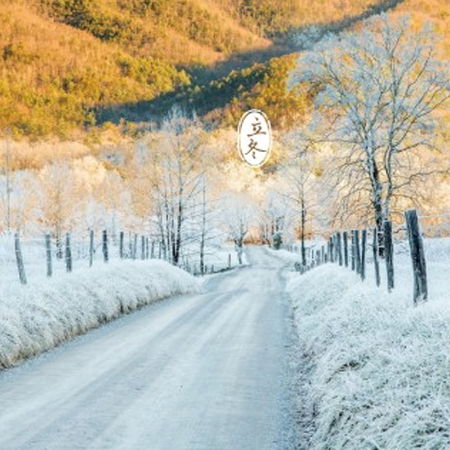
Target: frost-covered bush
(381,377)
(38,317)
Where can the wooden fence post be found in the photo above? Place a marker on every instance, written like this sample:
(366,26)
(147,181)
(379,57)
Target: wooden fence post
(68,254)
(363,253)
(105,246)
(375,256)
(339,247)
(134,252)
(389,254)
(353,250)
(331,249)
(121,244)
(142,247)
(91,248)
(48,252)
(229,260)
(19,259)
(130,246)
(357,253)
(153,250)
(345,239)
(417,257)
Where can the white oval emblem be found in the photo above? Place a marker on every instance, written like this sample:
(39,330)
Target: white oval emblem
(254,138)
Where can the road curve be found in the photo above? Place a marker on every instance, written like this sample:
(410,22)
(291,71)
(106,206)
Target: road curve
(202,372)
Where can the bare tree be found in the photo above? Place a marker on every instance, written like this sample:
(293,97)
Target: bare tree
(298,187)
(58,201)
(178,180)
(378,94)
(239,214)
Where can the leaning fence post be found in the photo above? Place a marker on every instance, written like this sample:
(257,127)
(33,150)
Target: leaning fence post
(68,254)
(19,259)
(105,246)
(417,256)
(389,254)
(376,263)
(48,252)
(363,254)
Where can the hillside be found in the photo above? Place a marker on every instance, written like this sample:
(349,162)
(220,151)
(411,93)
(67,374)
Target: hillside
(68,66)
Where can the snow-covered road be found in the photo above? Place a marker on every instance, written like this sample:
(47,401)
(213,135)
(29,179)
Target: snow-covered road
(208,371)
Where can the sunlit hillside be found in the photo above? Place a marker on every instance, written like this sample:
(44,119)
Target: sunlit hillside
(70,67)
(64,61)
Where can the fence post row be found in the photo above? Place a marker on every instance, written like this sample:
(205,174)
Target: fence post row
(382,246)
(417,257)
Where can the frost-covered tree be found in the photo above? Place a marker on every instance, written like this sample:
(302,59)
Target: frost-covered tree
(178,181)
(299,182)
(57,201)
(239,214)
(377,95)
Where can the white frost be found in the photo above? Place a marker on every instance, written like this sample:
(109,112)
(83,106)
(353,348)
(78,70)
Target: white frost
(40,316)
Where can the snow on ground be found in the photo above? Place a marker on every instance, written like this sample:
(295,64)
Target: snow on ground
(380,377)
(46,312)
(208,371)
(217,258)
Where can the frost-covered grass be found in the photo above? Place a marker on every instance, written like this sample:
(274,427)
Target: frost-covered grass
(381,377)
(41,315)
(216,259)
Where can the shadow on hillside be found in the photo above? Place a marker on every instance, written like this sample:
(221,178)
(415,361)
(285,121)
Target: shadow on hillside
(203,97)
